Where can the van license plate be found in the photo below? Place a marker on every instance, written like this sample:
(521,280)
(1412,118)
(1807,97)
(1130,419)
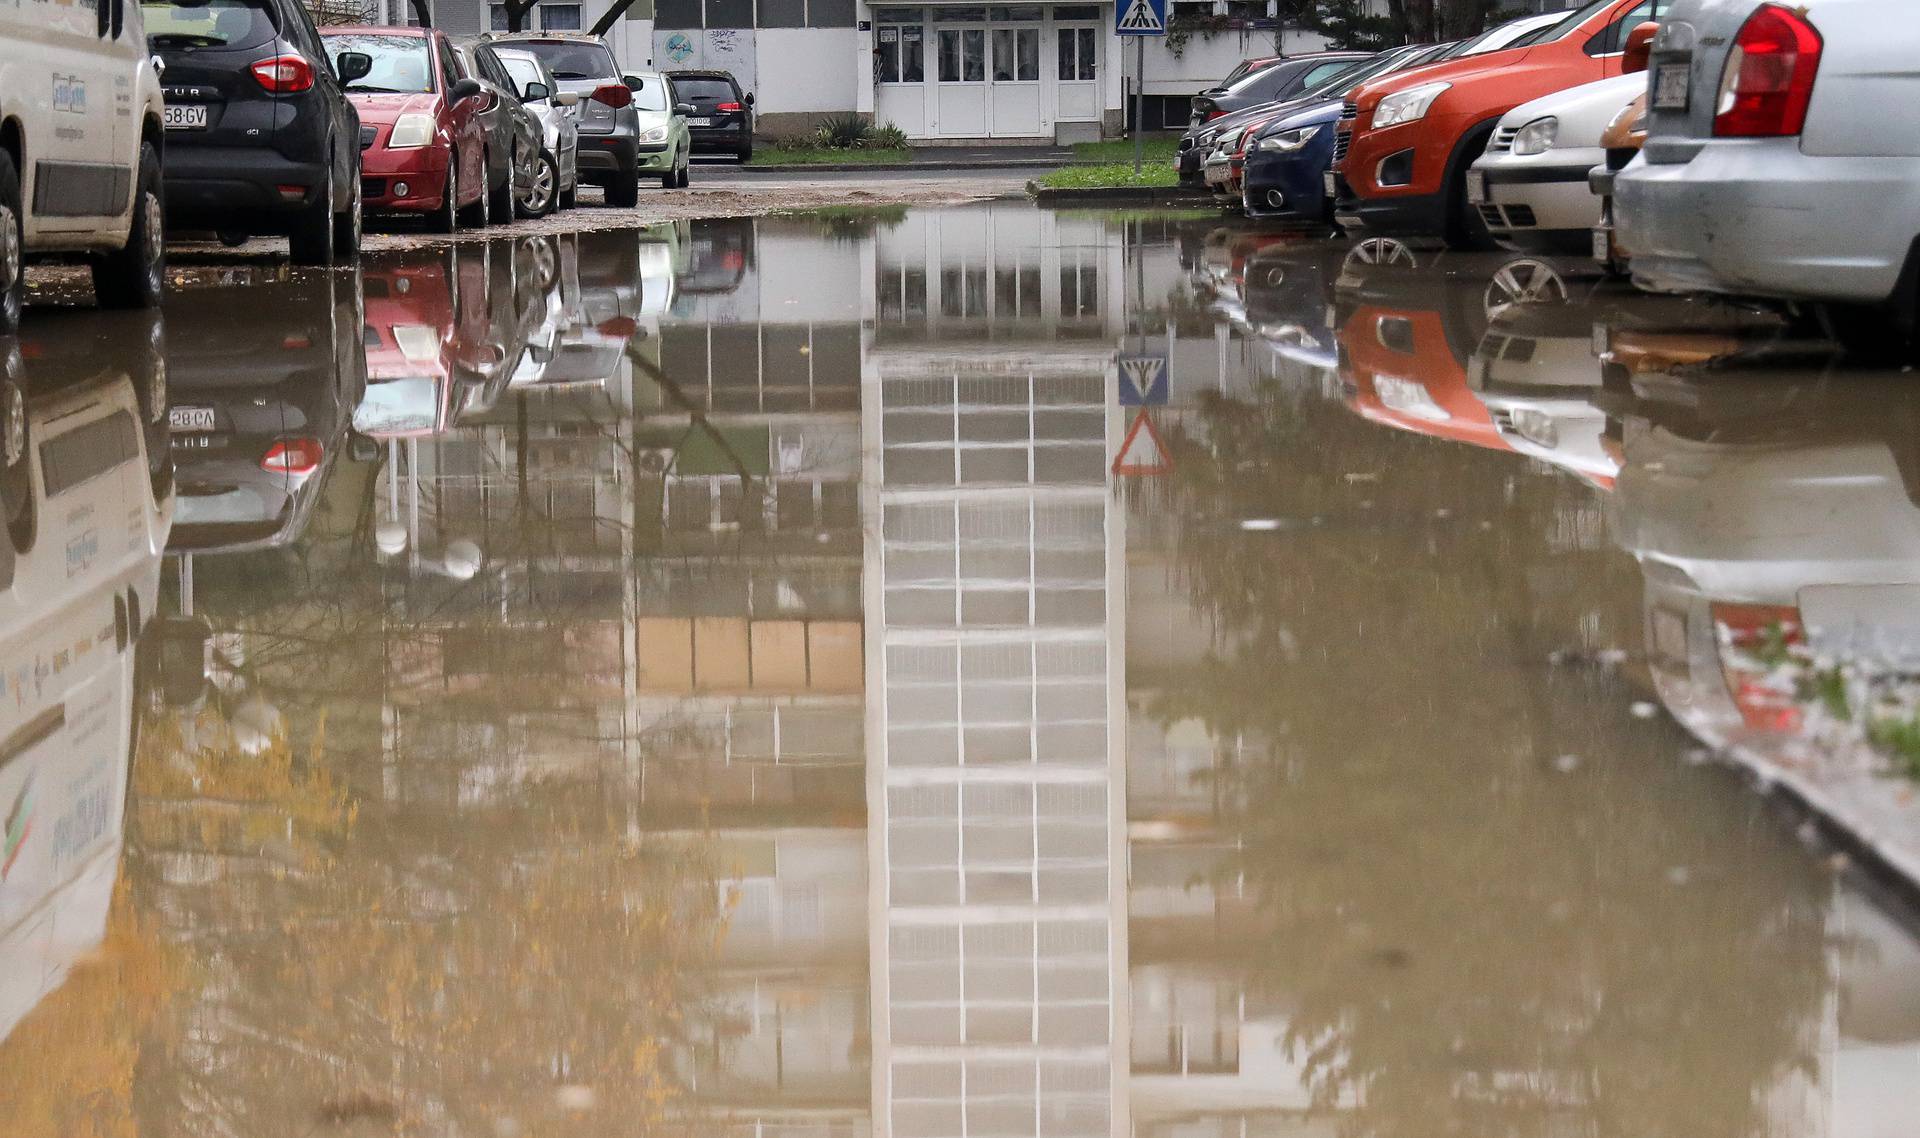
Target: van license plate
(190,418)
(192,116)
(1672,87)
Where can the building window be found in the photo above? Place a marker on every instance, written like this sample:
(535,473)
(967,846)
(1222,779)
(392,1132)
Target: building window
(899,53)
(1016,55)
(1077,48)
(546,17)
(963,55)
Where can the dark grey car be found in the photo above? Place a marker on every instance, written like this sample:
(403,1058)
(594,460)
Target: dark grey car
(513,133)
(1275,84)
(609,154)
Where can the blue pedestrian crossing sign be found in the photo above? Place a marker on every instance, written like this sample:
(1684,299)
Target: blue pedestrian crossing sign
(1140,18)
(1143,381)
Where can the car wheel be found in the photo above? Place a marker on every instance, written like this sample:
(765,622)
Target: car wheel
(500,204)
(232,238)
(624,191)
(475,215)
(545,189)
(1523,282)
(311,242)
(671,178)
(348,227)
(746,152)
(686,171)
(446,219)
(16,485)
(1382,251)
(135,275)
(1465,229)
(13,253)
(569,197)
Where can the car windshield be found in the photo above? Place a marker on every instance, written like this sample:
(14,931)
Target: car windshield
(719,90)
(573,59)
(1573,20)
(1344,83)
(650,94)
(186,24)
(401,65)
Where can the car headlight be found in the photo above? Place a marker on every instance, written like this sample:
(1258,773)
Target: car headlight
(1536,137)
(1409,397)
(1288,141)
(657,134)
(410,132)
(1409,105)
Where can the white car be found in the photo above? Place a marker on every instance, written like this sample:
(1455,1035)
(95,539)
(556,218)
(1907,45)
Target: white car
(80,127)
(1782,156)
(1531,185)
(559,176)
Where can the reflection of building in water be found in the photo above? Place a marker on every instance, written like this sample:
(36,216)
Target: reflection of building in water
(995,791)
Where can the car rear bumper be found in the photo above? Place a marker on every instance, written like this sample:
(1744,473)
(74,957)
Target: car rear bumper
(720,138)
(601,156)
(219,186)
(1761,218)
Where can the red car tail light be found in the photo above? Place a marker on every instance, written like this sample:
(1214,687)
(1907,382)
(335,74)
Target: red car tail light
(728,107)
(1215,113)
(613,95)
(1768,81)
(284,74)
(293,456)
(1755,642)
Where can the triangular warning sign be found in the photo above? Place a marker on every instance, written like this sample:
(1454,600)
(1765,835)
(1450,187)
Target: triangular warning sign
(1142,455)
(1141,16)
(1143,381)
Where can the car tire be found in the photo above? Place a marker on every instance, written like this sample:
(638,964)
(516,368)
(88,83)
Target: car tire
(500,203)
(311,241)
(746,152)
(233,238)
(13,248)
(16,482)
(686,172)
(1464,229)
(348,227)
(475,215)
(671,178)
(569,197)
(624,191)
(544,197)
(446,219)
(135,275)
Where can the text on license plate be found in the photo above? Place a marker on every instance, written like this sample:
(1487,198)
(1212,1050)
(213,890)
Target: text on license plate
(1476,187)
(1672,87)
(700,122)
(190,116)
(190,418)
(1330,184)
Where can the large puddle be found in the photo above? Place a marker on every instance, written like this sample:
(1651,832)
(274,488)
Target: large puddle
(949,674)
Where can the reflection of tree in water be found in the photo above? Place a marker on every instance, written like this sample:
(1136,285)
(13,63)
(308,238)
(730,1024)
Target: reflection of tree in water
(1466,932)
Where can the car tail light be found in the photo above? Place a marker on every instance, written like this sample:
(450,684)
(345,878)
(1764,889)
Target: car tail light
(1756,642)
(622,327)
(1768,81)
(284,74)
(293,456)
(728,107)
(1215,113)
(613,95)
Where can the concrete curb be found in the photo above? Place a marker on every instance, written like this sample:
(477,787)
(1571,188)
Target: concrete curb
(1112,195)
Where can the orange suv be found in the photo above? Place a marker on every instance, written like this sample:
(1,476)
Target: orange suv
(1405,142)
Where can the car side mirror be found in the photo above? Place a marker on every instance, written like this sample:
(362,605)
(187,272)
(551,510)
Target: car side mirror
(1639,49)
(463,89)
(352,65)
(633,82)
(683,108)
(748,99)
(566,99)
(535,92)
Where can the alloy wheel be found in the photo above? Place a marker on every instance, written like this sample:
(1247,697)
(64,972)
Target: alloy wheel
(10,250)
(1526,282)
(1382,251)
(13,437)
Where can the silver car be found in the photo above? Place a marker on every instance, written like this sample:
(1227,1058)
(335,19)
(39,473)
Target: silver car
(1782,155)
(558,179)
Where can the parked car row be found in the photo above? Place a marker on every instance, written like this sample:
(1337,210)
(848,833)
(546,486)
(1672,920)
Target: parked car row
(1732,147)
(241,118)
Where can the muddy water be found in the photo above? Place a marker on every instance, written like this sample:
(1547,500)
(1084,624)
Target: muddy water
(957,672)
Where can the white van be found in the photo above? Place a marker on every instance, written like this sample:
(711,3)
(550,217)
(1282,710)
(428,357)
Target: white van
(80,141)
(73,600)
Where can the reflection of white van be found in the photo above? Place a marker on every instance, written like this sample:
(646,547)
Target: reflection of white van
(72,602)
(80,136)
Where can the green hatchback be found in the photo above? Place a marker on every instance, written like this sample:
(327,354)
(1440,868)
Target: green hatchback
(665,145)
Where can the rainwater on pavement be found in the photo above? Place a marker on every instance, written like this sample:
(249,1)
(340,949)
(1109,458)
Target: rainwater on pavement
(949,673)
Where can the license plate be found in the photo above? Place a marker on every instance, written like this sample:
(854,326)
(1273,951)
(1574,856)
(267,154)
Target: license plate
(1603,246)
(1329,182)
(699,122)
(192,442)
(190,418)
(191,116)
(1672,87)
(1476,187)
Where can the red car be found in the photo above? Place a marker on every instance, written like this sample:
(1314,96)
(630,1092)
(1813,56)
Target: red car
(1406,140)
(422,141)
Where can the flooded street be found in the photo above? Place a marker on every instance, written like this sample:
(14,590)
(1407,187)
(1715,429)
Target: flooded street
(951,673)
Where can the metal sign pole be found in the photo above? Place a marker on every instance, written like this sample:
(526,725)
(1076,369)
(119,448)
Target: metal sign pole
(1139,97)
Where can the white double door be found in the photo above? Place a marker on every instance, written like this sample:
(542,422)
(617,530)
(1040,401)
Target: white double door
(987,80)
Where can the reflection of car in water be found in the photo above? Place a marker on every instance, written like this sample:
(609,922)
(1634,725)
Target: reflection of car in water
(719,253)
(73,600)
(1287,297)
(261,396)
(428,331)
(622,283)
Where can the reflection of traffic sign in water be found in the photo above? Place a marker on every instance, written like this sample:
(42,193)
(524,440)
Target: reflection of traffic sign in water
(1142,18)
(1142,455)
(1143,381)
